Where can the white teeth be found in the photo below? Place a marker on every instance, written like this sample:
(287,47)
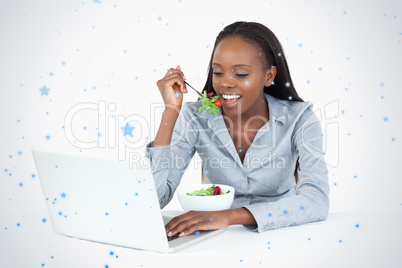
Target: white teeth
(229,97)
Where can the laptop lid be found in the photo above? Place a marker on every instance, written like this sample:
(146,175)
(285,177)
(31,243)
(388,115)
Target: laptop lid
(102,200)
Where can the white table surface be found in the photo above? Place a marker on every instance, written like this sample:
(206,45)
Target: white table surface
(335,242)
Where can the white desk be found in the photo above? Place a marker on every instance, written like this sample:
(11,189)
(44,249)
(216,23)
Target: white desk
(336,242)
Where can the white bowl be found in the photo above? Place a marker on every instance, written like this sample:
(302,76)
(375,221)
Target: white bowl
(205,203)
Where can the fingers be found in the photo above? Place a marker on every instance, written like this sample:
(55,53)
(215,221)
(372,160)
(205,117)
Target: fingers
(177,80)
(176,76)
(177,70)
(189,223)
(191,229)
(177,224)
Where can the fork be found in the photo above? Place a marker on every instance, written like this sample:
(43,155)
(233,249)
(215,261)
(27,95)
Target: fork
(193,88)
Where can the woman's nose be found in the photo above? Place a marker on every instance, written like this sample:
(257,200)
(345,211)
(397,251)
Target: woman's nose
(227,81)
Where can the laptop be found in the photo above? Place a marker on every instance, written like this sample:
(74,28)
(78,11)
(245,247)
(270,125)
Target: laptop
(108,201)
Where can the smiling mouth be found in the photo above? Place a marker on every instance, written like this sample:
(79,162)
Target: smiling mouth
(229,100)
(231,96)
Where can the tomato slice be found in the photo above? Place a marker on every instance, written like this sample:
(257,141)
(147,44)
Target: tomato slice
(218,103)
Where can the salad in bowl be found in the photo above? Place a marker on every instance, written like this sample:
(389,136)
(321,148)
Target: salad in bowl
(206,197)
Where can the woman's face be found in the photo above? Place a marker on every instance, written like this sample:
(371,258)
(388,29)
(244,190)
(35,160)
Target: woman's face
(239,77)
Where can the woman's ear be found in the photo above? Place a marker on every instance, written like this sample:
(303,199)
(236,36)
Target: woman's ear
(270,76)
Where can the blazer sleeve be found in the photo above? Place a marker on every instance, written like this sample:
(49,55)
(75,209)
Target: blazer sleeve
(168,163)
(311,200)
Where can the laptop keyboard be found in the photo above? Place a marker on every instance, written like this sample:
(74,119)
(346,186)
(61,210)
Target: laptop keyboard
(173,237)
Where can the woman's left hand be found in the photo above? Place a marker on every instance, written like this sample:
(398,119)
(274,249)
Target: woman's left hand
(192,221)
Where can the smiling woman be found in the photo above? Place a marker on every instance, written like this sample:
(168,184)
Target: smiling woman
(261,133)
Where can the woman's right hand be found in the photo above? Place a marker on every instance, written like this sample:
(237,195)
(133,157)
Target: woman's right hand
(172,88)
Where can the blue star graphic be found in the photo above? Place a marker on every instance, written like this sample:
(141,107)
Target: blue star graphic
(63,195)
(301,207)
(385,119)
(287,84)
(177,95)
(44,91)
(21,184)
(357,225)
(60,213)
(279,54)
(111,253)
(300,45)
(247,83)
(210,219)
(270,215)
(197,233)
(206,172)
(47,137)
(272,83)
(44,220)
(290,97)
(159,18)
(285,212)
(127,130)
(19,153)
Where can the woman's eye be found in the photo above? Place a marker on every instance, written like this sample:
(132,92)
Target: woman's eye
(217,73)
(241,75)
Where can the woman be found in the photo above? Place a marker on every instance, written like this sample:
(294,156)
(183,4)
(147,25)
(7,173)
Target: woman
(253,143)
